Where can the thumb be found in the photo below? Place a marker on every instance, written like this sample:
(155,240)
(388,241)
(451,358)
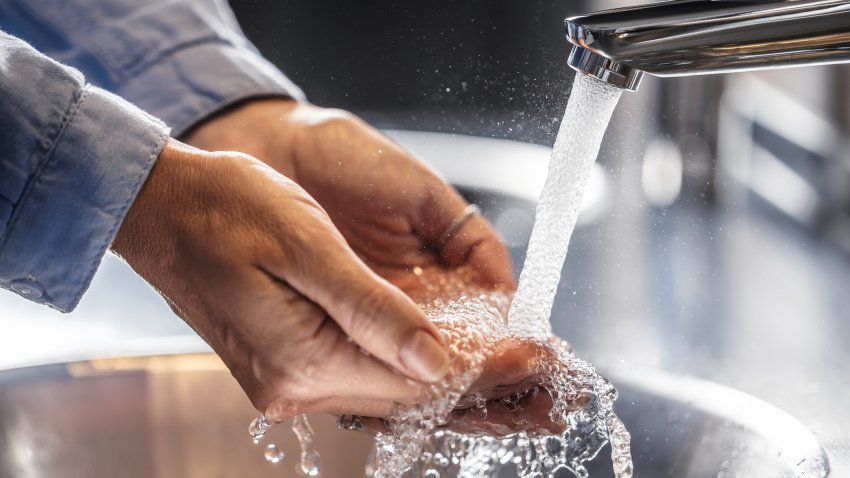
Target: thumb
(384,321)
(378,316)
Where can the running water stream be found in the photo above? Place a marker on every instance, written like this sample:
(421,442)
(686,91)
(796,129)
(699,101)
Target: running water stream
(473,322)
(567,379)
(589,111)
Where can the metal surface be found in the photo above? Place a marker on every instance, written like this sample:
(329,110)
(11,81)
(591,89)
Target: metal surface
(604,69)
(184,416)
(696,37)
(683,427)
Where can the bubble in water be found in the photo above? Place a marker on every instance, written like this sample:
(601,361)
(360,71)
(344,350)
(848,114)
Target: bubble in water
(273,454)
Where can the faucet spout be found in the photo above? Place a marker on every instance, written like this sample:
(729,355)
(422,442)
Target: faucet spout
(697,37)
(615,73)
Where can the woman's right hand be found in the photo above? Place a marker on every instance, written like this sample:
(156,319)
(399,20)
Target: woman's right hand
(256,267)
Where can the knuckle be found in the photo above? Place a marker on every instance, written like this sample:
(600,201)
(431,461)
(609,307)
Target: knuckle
(316,117)
(333,120)
(338,116)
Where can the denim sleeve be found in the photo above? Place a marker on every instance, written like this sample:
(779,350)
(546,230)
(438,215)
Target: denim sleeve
(72,159)
(181,60)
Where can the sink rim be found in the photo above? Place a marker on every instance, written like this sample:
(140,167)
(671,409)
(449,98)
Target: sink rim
(800,448)
(782,430)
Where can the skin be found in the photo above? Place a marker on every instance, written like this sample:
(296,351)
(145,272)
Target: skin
(255,266)
(389,206)
(292,265)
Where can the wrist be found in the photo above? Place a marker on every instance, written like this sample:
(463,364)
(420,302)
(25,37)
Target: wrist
(263,128)
(141,232)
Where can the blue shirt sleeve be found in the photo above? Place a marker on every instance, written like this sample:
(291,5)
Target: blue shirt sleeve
(72,159)
(181,60)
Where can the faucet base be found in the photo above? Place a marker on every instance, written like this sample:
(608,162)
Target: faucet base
(617,74)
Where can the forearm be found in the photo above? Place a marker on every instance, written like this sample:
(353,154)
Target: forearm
(72,159)
(181,60)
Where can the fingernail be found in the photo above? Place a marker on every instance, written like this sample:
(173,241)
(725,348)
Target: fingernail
(424,356)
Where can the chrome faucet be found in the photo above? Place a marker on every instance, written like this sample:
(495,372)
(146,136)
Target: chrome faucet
(697,37)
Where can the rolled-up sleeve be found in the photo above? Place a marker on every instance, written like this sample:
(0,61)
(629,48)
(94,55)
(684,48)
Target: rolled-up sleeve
(181,60)
(73,157)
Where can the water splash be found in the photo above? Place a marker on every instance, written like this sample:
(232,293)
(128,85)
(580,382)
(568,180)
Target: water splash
(466,323)
(419,444)
(309,456)
(309,463)
(258,428)
(471,325)
(588,113)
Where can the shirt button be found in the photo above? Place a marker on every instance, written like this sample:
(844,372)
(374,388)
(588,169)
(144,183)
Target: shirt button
(27,288)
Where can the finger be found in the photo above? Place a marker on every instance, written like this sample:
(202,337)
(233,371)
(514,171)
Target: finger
(475,243)
(348,372)
(513,365)
(477,246)
(529,414)
(375,314)
(346,382)
(299,358)
(388,324)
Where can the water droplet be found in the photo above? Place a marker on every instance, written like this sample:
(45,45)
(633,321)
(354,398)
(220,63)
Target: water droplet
(309,456)
(273,454)
(258,428)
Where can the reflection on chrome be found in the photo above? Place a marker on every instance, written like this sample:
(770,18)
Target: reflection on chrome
(697,37)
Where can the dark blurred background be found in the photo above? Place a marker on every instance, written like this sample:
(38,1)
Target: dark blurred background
(494,68)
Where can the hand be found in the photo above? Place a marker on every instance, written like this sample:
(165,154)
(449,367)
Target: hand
(392,210)
(257,268)
(390,207)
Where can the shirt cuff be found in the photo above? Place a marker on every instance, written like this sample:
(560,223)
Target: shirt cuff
(73,206)
(194,82)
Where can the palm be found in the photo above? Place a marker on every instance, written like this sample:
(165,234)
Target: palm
(393,210)
(389,207)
